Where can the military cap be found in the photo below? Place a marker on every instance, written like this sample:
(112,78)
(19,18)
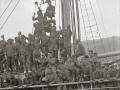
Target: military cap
(19,33)
(10,39)
(2,36)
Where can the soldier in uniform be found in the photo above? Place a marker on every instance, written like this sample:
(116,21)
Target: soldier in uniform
(2,58)
(25,54)
(112,76)
(93,59)
(87,71)
(63,54)
(5,81)
(31,39)
(36,53)
(67,40)
(50,11)
(98,77)
(46,25)
(69,73)
(52,65)
(53,45)
(41,71)
(40,15)
(18,80)
(61,73)
(10,53)
(106,71)
(44,43)
(51,78)
(50,56)
(118,75)
(80,49)
(97,61)
(28,80)
(16,45)
(38,29)
(19,37)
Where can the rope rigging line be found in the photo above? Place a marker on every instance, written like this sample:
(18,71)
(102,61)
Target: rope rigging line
(105,29)
(9,15)
(103,25)
(97,26)
(98,29)
(6,8)
(85,28)
(33,20)
(91,27)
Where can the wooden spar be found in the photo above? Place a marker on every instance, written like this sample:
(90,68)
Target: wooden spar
(109,54)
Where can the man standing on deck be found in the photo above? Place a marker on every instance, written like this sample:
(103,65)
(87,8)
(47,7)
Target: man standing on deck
(25,54)
(44,43)
(50,12)
(67,40)
(87,71)
(10,54)
(16,45)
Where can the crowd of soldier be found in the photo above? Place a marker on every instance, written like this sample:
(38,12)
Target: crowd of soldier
(50,71)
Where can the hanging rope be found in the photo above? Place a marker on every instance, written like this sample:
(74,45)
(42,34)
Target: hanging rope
(9,15)
(33,20)
(105,29)
(104,26)
(6,8)
(97,28)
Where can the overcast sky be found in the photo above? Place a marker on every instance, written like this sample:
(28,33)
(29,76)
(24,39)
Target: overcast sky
(21,18)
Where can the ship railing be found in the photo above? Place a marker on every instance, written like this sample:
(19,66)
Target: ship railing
(91,83)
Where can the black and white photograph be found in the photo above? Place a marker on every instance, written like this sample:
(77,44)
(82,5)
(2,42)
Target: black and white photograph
(59,44)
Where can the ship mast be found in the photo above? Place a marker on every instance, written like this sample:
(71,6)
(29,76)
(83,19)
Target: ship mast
(70,10)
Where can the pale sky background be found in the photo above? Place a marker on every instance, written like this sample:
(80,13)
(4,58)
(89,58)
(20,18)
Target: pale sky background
(21,18)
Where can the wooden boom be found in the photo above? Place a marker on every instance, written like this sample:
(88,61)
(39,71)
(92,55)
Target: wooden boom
(109,54)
